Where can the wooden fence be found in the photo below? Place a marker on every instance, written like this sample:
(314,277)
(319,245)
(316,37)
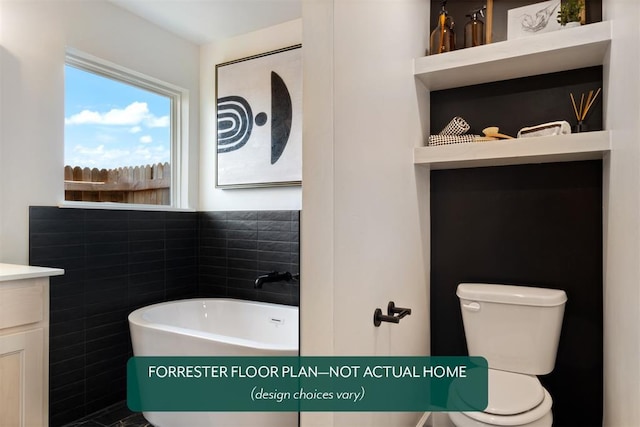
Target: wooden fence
(148,184)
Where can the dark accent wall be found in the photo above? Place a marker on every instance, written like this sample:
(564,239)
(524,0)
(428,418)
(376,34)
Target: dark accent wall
(118,260)
(237,247)
(517,103)
(536,225)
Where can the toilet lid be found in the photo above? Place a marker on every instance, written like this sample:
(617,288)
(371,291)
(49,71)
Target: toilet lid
(511,393)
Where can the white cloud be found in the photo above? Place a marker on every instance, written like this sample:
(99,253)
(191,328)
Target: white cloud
(157,122)
(110,158)
(135,129)
(133,114)
(146,139)
(99,152)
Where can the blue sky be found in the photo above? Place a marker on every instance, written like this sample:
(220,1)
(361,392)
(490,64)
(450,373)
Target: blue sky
(109,124)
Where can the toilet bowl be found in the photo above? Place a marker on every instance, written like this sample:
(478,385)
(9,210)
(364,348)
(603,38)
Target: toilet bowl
(513,400)
(517,330)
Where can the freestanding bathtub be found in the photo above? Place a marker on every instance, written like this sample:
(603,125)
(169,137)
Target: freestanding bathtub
(216,327)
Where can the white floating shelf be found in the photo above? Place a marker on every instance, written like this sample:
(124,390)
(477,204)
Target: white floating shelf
(545,149)
(561,50)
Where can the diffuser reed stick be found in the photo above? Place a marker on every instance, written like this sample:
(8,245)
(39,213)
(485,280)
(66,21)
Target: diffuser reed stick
(585,105)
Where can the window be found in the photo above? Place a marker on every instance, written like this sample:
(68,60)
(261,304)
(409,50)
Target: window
(122,138)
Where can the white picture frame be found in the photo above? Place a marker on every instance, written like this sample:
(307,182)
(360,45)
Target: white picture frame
(533,19)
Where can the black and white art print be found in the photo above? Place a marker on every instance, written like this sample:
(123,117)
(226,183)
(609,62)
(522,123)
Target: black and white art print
(259,126)
(533,19)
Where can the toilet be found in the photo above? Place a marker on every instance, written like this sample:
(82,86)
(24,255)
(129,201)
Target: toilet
(517,329)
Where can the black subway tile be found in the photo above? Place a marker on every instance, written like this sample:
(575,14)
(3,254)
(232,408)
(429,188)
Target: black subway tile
(187,268)
(212,291)
(274,226)
(54,226)
(213,215)
(64,353)
(266,266)
(275,246)
(106,236)
(242,225)
(58,331)
(66,289)
(283,257)
(243,234)
(212,281)
(55,213)
(65,366)
(68,377)
(242,293)
(242,215)
(242,254)
(106,215)
(67,317)
(276,236)
(147,216)
(57,252)
(242,244)
(274,215)
(55,239)
(135,279)
(246,264)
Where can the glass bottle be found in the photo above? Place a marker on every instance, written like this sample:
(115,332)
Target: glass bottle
(474,29)
(443,38)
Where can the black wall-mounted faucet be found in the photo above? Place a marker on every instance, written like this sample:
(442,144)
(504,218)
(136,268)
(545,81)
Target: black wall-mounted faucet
(275,276)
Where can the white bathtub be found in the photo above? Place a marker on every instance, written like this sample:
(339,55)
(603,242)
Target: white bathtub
(216,327)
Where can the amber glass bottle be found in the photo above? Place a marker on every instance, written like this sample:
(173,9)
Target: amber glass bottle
(474,30)
(443,38)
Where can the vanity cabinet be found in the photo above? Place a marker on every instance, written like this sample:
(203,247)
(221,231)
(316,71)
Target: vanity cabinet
(561,50)
(24,345)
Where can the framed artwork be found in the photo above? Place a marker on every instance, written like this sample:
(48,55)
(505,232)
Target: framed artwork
(533,19)
(259,120)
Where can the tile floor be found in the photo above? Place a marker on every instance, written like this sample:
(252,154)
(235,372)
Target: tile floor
(117,415)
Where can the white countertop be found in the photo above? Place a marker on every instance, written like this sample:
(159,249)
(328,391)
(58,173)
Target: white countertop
(17,272)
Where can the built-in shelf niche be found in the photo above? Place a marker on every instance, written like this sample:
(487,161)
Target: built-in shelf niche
(574,51)
(561,50)
(544,149)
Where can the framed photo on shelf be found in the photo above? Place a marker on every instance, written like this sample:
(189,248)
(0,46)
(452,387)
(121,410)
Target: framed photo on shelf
(259,120)
(533,19)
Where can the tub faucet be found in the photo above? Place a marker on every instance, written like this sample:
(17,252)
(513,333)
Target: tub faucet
(274,276)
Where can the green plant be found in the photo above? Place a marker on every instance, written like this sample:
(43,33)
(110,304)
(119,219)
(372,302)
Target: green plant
(570,11)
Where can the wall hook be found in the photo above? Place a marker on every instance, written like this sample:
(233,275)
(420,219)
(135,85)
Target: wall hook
(393,310)
(390,317)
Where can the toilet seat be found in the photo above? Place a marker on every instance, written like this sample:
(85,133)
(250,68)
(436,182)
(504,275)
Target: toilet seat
(539,416)
(514,399)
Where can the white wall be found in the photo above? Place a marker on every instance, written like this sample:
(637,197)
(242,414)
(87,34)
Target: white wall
(211,198)
(33,36)
(365,227)
(622,218)
(354,173)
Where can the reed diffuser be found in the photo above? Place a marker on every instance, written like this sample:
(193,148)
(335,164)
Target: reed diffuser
(584,108)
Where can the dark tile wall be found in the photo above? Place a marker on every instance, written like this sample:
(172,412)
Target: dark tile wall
(117,260)
(237,247)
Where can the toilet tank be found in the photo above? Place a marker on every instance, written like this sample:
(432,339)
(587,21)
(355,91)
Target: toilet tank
(516,328)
